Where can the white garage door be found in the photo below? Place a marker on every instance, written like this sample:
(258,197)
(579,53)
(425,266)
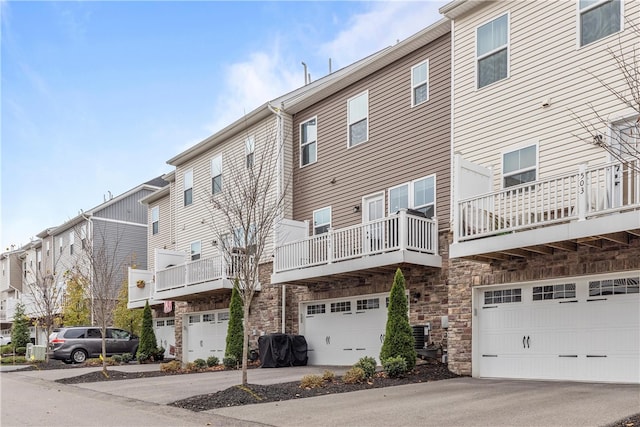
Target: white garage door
(341,331)
(583,329)
(206,334)
(165,331)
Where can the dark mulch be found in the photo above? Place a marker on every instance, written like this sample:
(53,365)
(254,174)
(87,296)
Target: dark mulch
(113,375)
(632,421)
(430,370)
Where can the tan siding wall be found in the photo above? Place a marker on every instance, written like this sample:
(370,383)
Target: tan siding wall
(545,61)
(193,222)
(404,143)
(162,240)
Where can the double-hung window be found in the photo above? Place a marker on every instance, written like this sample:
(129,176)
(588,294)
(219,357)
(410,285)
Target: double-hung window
(155,219)
(71,241)
(249,150)
(196,248)
(598,19)
(358,118)
(60,244)
(419,195)
(48,246)
(520,166)
(83,236)
(188,187)
(216,175)
(420,83)
(321,220)
(39,260)
(492,51)
(308,142)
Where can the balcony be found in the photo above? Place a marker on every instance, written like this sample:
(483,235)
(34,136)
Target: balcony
(560,213)
(386,242)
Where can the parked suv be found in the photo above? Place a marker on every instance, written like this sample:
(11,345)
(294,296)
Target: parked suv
(76,344)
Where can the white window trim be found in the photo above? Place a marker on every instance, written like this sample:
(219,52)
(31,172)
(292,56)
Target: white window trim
(313,219)
(249,148)
(300,145)
(514,149)
(615,120)
(477,58)
(220,174)
(588,8)
(371,196)
(411,198)
(414,85)
(185,188)
(191,253)
(155,218)
(349,145)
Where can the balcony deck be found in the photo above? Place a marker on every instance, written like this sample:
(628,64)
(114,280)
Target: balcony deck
(584,208)
(375,245)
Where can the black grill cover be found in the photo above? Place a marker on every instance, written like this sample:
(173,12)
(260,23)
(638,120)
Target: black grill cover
(280,350)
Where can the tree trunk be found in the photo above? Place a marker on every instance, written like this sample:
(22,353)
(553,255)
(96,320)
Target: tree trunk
(245,343)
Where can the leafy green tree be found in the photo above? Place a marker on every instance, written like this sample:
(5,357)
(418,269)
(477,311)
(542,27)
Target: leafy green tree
(20,328)
(235,329)
(126,318)
(148,344)
(76,308)
(398,339)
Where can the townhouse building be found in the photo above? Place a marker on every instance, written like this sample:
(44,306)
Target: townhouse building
(10,287)
(546,249)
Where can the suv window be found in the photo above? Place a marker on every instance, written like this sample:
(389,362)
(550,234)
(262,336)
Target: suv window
(118,334)
(74,333)
(94,333)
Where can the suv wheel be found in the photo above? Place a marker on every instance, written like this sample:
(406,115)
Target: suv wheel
(78,356)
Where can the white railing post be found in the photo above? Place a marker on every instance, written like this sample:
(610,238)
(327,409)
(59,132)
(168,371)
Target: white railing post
(582,192)
(433,233)
(402,229)
(330,246)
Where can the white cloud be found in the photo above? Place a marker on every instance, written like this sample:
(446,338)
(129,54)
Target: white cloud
(384,24)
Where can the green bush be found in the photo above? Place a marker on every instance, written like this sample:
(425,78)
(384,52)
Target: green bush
(230,362)
(328,376)
(117,358)
(21,351)
(395,366)
(159,354)
(311,381)
(6,349)
(398,339)
(212,361)
(142,357)
(10,360)
(235,334)
(353,375)
(148,345)
(127,357)
(200,363)
(368,365)
(173,366)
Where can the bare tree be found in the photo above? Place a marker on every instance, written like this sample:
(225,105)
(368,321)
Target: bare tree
(102,266)
(623,143)
(244,210)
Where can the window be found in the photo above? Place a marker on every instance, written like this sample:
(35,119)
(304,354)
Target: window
(492,51)
(188,187)
(417,195)
(216,175)
(195,250)
(308,142)
(194,318)
(519,166)
(358,111)
(249,149)
(321,220)
(170,322)
(71,241)
(315,309)
(420,83)
(625,140)
(368,304)
(159,323)
(155,218)
(567,290)
(630,285)
(598,19)
(208,317)
(503,296)
(223,316)
(60,244)
(48,246)
(339,307)
(39,260)
(83,236)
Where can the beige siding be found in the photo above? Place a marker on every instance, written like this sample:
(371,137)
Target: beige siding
(405,142)
(162,240)
(195,222)
(545,62)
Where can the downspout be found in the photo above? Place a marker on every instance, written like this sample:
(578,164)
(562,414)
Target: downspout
(280,173)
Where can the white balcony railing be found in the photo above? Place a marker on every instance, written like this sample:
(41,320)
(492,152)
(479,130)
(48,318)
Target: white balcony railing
(398,232)
(592,191)
(196,272)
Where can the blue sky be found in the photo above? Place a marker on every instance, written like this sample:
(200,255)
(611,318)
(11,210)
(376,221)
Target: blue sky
(97,96)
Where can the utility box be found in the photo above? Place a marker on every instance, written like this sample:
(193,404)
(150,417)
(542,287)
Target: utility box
(36,352)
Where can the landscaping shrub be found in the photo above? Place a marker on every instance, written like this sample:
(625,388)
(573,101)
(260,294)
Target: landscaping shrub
(353,375)
(6,349)
(173,366)
(235,327)
(142,357)
(117,358)
(398,339)
(328,376)
(191,367)
(148,347)
(200,363)
(20,329)
(127,357)
(395,366)
(159,354)
(311,381)
(10,360)
(368,365)
(230,362)
(212,361)
(21,351)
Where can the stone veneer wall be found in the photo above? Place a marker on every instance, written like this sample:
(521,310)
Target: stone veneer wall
(463,275)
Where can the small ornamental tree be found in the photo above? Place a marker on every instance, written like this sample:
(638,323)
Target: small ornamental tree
(76,309)
(20,328)
(398,339)
(126,318)
(235,329)
(148,344)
